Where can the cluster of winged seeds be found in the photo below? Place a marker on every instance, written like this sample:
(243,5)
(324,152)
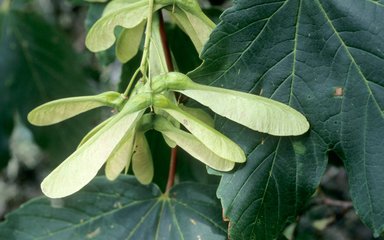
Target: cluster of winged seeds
(119,142)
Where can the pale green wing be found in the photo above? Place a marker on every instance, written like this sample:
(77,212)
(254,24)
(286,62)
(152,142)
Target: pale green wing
(116,5)
(169,142)
(121,155)
(211,138)
(101,36)
(62,109)
(196,112)
(128,43)
(197,27)
(256,112)
(94,131)
(193,146)
(82,165)
(135,101)
(142,164)
(127,14)
(199,114)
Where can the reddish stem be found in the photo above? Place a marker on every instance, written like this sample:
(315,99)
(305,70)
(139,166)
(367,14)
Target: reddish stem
(168,59)
(164,42)
(172,170)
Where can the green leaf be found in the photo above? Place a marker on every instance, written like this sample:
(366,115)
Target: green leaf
(325,59)
(142,164)
(128,43)
(212,139)
(124,209)
(37,65)
(181,45)
(82,165)
(192,145)
(62,109)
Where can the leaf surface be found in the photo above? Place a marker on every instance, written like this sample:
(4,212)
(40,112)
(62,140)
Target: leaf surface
(124,209)
(325,59)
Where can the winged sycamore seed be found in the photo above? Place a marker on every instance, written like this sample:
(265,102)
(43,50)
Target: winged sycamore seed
(120,142)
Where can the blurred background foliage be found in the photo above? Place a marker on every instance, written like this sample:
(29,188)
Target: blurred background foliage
(43,57)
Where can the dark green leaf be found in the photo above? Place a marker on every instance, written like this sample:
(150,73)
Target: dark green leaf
(4,147)
(184,53)
(37,64)
(326,59)
(123,209)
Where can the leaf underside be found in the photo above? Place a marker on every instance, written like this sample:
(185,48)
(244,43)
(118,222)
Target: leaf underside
(103,211)
(324,58)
